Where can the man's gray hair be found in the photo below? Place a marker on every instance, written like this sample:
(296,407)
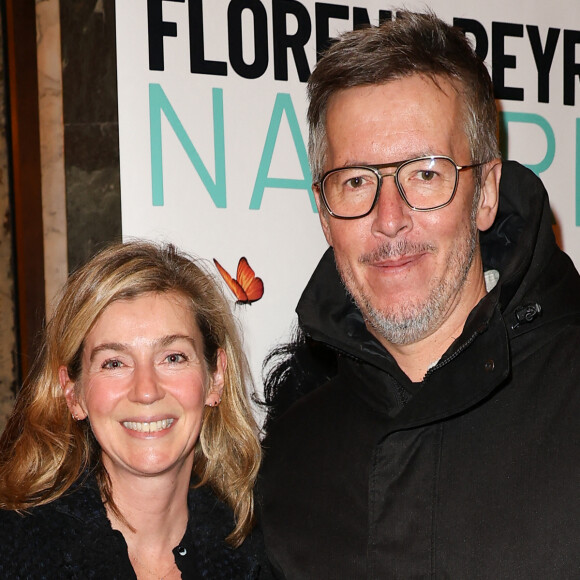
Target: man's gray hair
(412,43)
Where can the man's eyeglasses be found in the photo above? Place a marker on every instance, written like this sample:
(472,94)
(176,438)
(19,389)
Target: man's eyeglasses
(424,183)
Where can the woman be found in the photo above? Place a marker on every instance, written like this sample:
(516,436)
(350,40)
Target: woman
(132,450)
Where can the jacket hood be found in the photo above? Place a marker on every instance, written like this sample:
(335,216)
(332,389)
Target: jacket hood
(538,283)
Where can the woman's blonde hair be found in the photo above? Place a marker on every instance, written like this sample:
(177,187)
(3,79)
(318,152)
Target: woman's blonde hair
(43,451)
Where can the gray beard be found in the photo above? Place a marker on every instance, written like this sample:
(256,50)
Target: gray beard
(414,321)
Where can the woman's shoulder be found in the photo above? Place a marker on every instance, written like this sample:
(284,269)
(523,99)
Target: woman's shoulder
(80,503)
(71,534)
(211,521)
(36,522)
(32,540)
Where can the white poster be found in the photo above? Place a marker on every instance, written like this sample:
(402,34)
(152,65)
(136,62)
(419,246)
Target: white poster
(212,109)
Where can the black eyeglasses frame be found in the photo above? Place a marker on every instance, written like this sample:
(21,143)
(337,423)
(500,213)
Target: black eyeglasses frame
(398,165)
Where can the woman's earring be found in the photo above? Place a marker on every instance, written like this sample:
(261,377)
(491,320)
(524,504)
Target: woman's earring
(215,403)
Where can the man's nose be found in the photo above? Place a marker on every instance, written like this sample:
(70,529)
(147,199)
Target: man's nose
(391,215)
(146,388)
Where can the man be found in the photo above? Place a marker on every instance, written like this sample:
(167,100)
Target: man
(435,431)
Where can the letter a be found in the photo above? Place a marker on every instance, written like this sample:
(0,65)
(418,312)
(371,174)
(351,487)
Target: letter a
(282,104)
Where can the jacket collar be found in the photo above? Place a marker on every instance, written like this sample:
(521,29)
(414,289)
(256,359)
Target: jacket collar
(83,501)
(483,369)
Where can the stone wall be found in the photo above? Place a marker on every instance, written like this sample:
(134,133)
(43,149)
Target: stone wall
(91,131)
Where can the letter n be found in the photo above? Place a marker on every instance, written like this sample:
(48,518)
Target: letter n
(159,102)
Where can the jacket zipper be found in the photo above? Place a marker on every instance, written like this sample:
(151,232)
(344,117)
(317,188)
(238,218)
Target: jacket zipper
(451,357)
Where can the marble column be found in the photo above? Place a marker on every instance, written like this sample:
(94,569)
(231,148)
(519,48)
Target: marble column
(91,134)
(51,147)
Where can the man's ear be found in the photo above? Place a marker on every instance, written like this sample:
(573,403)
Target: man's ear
(322,214)
(489,196)
(68,388)
(216,387)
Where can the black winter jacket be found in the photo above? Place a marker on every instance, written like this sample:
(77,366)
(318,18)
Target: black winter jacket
(473,473)
(72,538)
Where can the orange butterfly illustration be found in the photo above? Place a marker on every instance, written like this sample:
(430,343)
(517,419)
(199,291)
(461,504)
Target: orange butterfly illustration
(247,288)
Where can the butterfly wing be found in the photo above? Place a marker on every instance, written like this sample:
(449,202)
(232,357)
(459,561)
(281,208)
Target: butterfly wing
(246,278)
(233,285)
(255,290)
(245,275)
